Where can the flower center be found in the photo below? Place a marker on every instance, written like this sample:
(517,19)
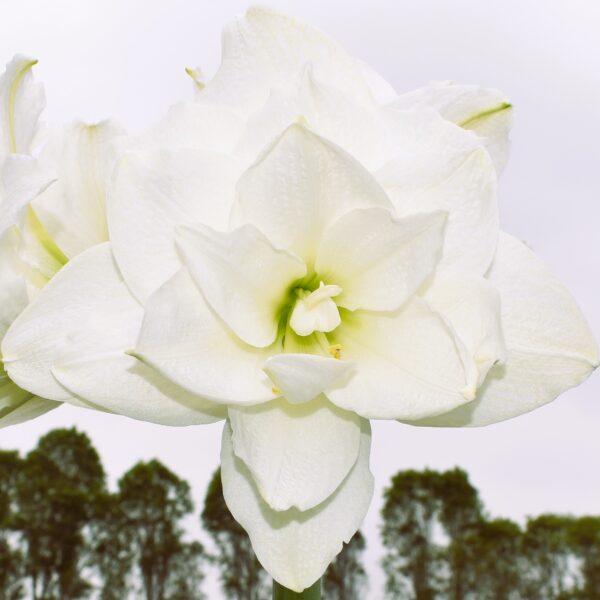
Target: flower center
(316,311)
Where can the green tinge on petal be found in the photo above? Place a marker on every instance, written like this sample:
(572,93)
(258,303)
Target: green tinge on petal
(11,103)
(475,120)
(44,238)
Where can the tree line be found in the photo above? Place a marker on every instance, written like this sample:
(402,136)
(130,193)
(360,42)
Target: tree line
(65,536)
(441,545)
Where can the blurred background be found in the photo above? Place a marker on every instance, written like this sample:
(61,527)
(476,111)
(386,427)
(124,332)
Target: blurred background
(126,59)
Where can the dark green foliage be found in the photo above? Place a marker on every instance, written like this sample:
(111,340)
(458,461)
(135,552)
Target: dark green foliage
(425,515)
(111,552)
(186,573)
(584,539)
(10,464)
(55,492)
(64,536)
(546,552)
(492,561)
(440,545)
(154,501)
(12,574)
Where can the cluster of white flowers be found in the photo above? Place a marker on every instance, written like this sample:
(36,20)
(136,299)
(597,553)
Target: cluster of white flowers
(296,251)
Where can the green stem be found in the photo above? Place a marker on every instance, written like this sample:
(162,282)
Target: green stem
(311,593)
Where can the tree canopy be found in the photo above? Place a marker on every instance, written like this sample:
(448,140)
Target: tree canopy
(65,535)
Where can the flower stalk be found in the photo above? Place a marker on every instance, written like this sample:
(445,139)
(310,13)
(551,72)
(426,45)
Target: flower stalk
(311,593)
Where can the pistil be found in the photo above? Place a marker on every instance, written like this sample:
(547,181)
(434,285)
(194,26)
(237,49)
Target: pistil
(316,311)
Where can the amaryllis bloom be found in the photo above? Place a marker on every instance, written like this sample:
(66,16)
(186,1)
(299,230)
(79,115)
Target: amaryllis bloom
(52,207)
(300,250)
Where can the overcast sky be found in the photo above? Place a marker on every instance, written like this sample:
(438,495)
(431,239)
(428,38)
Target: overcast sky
(126,59)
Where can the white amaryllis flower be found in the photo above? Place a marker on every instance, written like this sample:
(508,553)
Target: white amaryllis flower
(21,179)
(299,250)
(52,208)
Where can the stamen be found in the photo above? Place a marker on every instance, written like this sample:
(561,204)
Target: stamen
(336,351)
(276,390)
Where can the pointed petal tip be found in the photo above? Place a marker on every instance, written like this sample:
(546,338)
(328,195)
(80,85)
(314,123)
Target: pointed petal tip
(470,392)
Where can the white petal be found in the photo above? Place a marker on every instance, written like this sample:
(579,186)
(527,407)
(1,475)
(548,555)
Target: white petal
(21,103)
(550,346)
(187,343)
(244,279)
(23,178)
(334,115)
(297,547)
(122,384)
(18,406)
(66,321)
(298,454)
(155,190)
(426,148)
(377,260)
(193,125)
(70,343)
(73,209)
(302,377)
(407,364)
(382,91)
(38,253)
(485,111)
(467,193)
(265,48)
(300,186)
(13,289)
(471,307)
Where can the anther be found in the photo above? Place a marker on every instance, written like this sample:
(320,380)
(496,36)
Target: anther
(336,351)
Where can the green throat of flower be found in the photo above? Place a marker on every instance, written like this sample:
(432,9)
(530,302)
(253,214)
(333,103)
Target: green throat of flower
(309,318)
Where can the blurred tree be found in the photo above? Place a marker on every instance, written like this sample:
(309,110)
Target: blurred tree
(493,561)
(426,514)
(10,464)
(55,493)
(346,578)
(111,552)
(75,458)
(241,575)
(412,555)
(12,573)
(460,512)
(584,539)
(546,555)
(186,573)
(154,501)
(61,531)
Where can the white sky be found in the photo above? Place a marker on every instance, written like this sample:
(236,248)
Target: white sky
(125,58)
